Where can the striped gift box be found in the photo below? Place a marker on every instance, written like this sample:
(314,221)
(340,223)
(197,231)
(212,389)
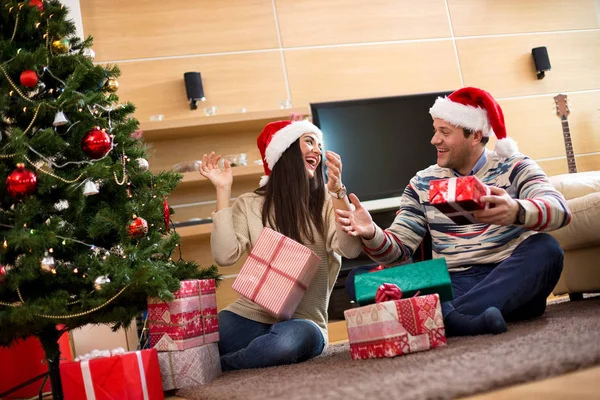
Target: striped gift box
(277,273)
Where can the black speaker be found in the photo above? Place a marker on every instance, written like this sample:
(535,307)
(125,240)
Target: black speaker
(541,60)
(193,88)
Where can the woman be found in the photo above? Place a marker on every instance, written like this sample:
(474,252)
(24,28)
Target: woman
(293,201)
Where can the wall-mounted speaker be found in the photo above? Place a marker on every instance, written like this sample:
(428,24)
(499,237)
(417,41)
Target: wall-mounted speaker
(193,88)
(541,60)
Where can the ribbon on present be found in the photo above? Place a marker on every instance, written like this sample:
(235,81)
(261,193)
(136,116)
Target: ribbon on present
(88,382)
(388,292)
(451,201)
(270,268)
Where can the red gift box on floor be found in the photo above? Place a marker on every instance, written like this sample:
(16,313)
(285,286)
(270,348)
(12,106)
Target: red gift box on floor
(191,367)
(25,358)
(458,197)
(128,376)
(393,328)
(277,273)
(188,321)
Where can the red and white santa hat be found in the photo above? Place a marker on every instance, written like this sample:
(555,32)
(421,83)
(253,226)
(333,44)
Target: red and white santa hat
(477,110)
(275,139)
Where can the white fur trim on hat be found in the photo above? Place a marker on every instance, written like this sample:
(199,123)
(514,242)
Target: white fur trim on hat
(263,180)
(284,138)
(473,118)
(506,147)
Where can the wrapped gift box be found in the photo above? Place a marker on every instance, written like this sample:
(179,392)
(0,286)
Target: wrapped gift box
(188,321)
(426,277)
(458,198)
(191,367)
(128,376)
(396,327)
(277,273)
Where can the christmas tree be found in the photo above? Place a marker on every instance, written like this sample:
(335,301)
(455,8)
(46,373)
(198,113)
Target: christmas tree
(84,225)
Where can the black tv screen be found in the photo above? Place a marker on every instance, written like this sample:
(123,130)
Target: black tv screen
(383,142)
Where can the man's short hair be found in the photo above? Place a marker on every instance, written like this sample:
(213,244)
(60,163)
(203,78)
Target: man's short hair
(468,132)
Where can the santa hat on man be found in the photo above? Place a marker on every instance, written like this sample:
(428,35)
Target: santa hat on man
(476,109)
(275,139)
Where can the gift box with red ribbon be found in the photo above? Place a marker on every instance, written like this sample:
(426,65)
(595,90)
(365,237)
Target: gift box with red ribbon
(394,326)
(191,367)
(113,376)
(458,198)
(277,273)
(188,321)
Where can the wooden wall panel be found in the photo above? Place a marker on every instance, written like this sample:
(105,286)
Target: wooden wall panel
(125,30)
(533,123)
(504,65)
(317,22)
(584,122)
(554,167)
(588,162)
(370,71)
(477,17)
(253,81)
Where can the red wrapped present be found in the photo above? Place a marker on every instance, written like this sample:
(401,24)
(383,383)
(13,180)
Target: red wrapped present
(26,359)
(458,198)
(191,367)
(188,321)
(104,375)
(395,327)
(277,273)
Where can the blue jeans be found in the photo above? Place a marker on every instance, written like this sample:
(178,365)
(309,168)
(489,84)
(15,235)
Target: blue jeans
(518,286)
(249,344)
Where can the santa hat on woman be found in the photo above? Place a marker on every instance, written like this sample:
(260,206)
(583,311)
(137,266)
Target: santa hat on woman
(476,109)
(275,139)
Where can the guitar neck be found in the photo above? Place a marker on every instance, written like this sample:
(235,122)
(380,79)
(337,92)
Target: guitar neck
(569,146)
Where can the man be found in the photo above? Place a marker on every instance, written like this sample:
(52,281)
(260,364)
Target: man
(501,268)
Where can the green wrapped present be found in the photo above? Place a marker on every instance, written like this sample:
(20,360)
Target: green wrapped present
(426,277)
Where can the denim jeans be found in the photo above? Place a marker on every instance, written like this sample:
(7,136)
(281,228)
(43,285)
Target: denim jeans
(518,286)
(249,344)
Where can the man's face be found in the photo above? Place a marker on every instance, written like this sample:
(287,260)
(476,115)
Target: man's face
(454,150)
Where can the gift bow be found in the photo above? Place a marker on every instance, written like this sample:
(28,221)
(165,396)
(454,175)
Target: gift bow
(100,353)
(389,292)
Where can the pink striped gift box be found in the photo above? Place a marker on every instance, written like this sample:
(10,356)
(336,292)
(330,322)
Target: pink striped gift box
(277,273)
(188,321)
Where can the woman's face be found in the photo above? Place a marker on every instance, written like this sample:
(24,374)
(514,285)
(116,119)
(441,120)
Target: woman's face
(311,152)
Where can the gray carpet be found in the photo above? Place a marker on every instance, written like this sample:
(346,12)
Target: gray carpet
(565,339)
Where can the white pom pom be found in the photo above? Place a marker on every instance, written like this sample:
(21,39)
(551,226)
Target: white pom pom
(506,147)
(263,180)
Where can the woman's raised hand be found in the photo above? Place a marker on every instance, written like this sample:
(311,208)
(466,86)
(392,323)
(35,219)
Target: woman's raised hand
(221,178)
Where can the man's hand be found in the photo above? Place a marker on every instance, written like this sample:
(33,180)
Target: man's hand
(357,222)
(503,208)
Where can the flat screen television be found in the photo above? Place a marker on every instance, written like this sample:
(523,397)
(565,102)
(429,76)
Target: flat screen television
(383,142)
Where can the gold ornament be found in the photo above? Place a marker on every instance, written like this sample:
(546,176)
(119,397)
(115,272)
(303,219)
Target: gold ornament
(61,46)
(47,263)
(112,85)
(100,282)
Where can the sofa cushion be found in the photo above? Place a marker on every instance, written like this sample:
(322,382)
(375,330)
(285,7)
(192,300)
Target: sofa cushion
(584,229)
(576,185)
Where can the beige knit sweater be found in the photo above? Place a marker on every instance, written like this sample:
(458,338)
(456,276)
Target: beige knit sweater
(236,229)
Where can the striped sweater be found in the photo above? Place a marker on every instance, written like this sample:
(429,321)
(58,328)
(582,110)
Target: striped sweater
(465,245)
(235,231)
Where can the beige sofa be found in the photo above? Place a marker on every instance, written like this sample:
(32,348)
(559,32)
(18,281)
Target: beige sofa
(580,240)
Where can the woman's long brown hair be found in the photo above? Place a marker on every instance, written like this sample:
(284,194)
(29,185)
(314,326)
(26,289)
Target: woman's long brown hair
(292,200)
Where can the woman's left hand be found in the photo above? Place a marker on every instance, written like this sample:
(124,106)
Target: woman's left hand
(334,171)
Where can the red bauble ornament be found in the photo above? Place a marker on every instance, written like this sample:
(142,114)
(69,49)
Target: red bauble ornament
(21,182)
(137,228)
(3,272)
(96,143)
(28,78)
(167,213)
(38,4)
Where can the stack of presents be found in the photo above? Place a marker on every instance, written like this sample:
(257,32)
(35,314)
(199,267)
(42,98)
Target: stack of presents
(399,312)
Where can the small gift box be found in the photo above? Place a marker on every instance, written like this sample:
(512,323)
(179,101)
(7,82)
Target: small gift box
(113,375)
(277,273)
(394,327)
(426,277)
(188,321)
(191,367)
(458,198)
